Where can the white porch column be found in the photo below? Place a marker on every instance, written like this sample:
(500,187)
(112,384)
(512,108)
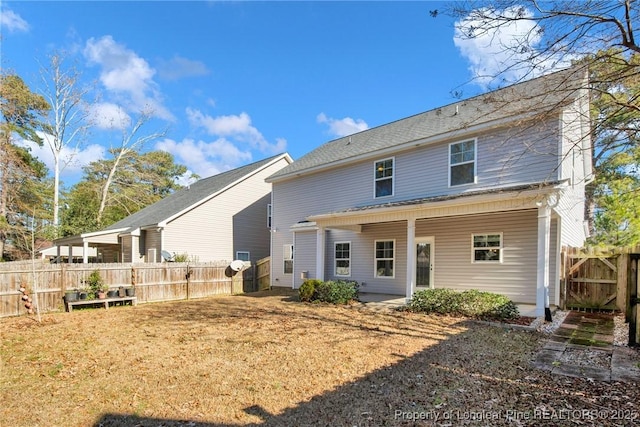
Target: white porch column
(411,257)
(544,232)
(319,253)
(85,252)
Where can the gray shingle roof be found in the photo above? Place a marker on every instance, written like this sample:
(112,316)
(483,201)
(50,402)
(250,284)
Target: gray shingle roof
(188,196)
(536,96)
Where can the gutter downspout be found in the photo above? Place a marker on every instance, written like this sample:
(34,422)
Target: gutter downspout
(544,237)
(411,258)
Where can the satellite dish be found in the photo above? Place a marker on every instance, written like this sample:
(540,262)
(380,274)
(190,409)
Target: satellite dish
(166,256)
(237,265)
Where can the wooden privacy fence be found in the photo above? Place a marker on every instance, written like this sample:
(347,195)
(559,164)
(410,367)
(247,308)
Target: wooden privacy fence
(153,282)
(603,279)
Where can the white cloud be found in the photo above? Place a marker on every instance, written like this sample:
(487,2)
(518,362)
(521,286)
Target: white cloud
(503,53)
(12,21)
(342,127)
(205,158)
(179,67)
(126,74)
(238,127)
(72,159)
(106,115)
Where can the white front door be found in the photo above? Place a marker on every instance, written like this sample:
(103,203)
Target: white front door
(424,262)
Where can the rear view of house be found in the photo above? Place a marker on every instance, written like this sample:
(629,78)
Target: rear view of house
(479,194)
(223,217)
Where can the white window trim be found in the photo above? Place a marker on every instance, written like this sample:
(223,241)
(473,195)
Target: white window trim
(473,249)
(392,177)
(475,162)
(375,259)
(335,259)
(269,215)
(287,255)
(243,252)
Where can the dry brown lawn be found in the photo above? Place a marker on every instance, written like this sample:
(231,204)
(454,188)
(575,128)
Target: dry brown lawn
(267,359)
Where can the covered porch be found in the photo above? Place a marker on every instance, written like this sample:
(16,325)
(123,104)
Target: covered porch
(536,240)
(104,245)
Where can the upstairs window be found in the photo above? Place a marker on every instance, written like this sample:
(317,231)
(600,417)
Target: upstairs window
(269,216)
(343,258)
(384,178)
(384,253)
(487,247)
(462,163)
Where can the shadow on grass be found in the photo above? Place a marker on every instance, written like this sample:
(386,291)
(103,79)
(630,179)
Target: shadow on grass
(482,372)
(238,308)
(285,294)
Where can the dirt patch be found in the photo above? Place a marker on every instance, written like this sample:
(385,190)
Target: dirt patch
(266,359)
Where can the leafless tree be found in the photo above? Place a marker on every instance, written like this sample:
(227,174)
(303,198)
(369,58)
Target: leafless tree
(130,142)
(69,116)
(532,38)
(546,35)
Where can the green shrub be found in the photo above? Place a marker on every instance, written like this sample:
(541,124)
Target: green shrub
(183,257)
(95,284)
(334,292)
(439,301)
(472,303)
(307,290)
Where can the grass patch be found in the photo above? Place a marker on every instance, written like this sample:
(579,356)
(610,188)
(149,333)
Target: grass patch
(265,359)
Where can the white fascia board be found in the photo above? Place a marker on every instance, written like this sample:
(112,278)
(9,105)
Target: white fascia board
(103,232)
(303,226)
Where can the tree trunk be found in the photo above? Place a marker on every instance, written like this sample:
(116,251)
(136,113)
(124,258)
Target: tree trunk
(4,165)
(107,184)
(56,190)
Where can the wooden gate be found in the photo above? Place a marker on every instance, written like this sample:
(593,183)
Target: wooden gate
(591,280)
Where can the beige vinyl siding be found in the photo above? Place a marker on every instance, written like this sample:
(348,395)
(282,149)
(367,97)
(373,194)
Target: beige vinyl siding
(515,276)
(153,240)
(126,245)
(251,233)
(109,254)
(363,257)
(238,214)
(571,206)
(305,242)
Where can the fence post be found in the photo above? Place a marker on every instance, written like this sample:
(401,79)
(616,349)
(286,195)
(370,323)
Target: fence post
(622,300)
(61,281)
(632,306)
(564,270)
(187,276)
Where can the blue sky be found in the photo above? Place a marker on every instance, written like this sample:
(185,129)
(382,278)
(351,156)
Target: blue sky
(235,82)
